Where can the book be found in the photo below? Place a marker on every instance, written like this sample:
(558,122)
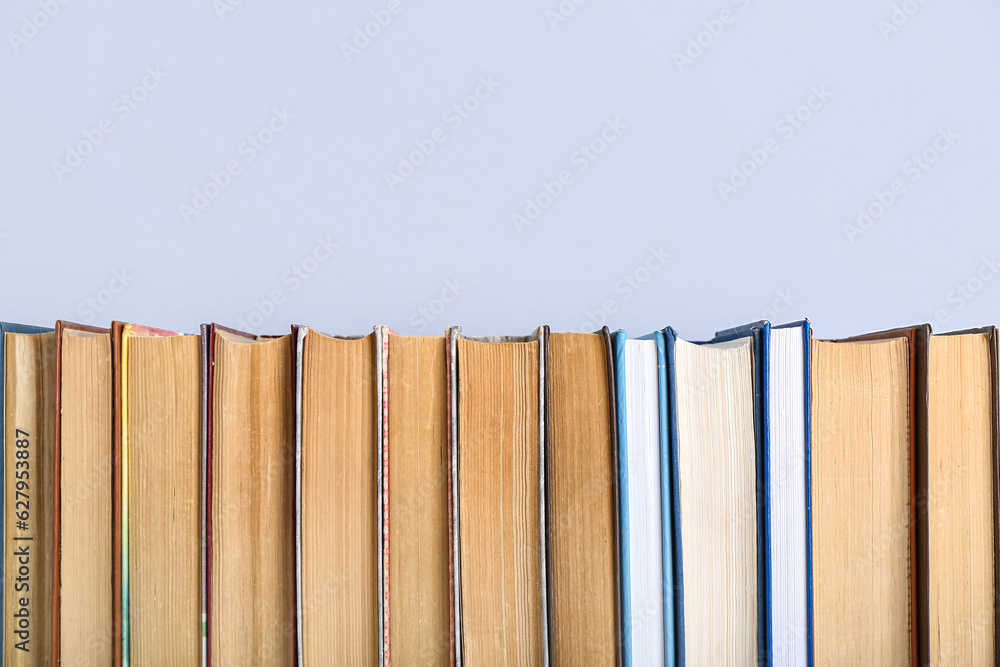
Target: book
(646,516)
(868,397)
(583,537)
(715,452)
(250,492)
(82,554)
(417,515)
(499,458)
(28,358)
(781,377)
(338,499)
(956,502)
(160,447)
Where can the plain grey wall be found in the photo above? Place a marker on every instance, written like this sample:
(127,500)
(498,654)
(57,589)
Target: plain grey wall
(698,165)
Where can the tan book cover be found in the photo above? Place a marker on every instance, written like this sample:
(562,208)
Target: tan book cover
(499,492)
(83,558)
(868,418)
(250,496)
(28,355)
(338,504)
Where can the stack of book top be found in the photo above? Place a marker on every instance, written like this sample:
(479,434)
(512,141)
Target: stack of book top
(555,499)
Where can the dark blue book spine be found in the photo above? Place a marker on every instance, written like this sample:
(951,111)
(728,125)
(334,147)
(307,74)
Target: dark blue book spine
(626,583)
(670,338)
(762,382)
(807,358)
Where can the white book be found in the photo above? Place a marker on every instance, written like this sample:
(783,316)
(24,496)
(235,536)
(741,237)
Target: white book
(643,596)
(786,498)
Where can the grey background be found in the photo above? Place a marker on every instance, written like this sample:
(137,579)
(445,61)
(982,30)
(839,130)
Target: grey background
(111,230)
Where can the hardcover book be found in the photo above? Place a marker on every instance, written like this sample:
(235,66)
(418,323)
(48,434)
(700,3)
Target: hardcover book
(716,452)
(498,436)
(869,406)
(957,502)
(82,554)
(160,450)
(646,516)
(250,490)
(27,354)
(338,475)
(416,472)
(584,603)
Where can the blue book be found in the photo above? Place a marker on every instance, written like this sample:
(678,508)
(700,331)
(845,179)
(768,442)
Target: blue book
(645,502)
(6,328)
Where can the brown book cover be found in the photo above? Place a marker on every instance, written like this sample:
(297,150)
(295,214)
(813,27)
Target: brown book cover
(208,380)
(922,504)
(123,626)
(312,601)
(209,334)
(917,337)
(61,326)
(417,590)
(454,334)
(27,413)
(613,485)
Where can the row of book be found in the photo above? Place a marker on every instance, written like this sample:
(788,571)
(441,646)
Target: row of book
(557,499)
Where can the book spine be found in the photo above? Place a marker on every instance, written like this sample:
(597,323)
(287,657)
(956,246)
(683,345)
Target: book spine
(762,381)
(56,499)
(124,495)
(807,359)
(623,506)
(666,515)
(615,488)
(995,460)
(299,339)
(670,338)
(116,485)
(454,543)
(543,344)
(382,371)
(207,377)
